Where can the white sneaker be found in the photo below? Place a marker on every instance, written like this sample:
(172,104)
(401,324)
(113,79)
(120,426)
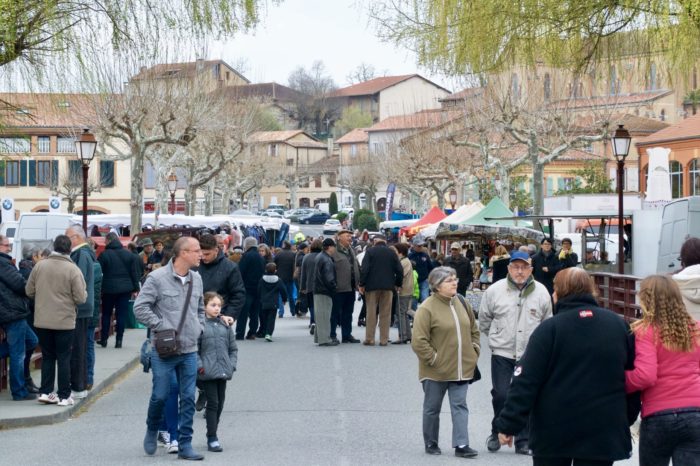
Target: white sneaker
(173,448)
(50,399)
(79,395)
(163,438)
(66,402)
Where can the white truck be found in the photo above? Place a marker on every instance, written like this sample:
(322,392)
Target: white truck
(38,229)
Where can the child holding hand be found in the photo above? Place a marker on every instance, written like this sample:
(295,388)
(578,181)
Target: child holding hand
(216,362)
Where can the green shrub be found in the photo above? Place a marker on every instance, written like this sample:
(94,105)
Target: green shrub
(365,219)
(333,204)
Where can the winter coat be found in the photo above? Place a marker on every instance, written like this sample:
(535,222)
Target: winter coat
(252,268)
(13,297)
(346,269)
(160,303)
(423,264)
(25,268)
(408,282)
(324,275)
(688,280)
(463,268)
(499,267)
(224,277)
(445,340)
(553,265)
(285,265)
(567,260)
(218,352)
(84,257)
(270,288)
(509,315)
(121,270)
(57,286)
(97,272)
(308,272)
(570,383)
(381,269)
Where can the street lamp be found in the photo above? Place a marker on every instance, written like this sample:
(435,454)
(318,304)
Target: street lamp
(453,198)
(172,188)
(621,146)
(85,145)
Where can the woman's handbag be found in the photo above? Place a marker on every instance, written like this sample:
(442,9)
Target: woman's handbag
(472,318)
(166,342)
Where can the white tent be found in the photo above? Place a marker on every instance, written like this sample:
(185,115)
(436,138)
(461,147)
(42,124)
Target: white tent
(458,216)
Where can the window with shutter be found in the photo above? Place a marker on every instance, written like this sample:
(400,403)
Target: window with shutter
(32,173)
(75,172)
(43,172)
(107,173)
(12,173)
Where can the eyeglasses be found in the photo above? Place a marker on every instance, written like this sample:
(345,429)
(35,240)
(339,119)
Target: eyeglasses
(519,268)
(5,244)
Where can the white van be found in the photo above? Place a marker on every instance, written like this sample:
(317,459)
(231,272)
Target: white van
(9,230)
(680,221)
(38,229)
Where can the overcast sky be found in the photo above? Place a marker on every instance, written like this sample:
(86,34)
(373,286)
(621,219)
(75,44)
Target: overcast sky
(299,32)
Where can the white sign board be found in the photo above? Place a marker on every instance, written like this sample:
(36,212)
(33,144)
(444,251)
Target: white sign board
(54,204)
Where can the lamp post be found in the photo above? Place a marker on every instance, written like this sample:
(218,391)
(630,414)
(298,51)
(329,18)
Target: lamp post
(172,188)
(85,145)
(453,198)
(621,146)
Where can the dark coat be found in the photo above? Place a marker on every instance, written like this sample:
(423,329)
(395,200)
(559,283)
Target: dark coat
(571,384)
(97,272)
(121,270)
(308,272)
(285,261)
(551,261)
(270,287)
(223,276)
(500,269)
(463,268)
(13,298)
(324,275)
(84,257)
(423,264)
(570,260)
(252,268)
(381,269)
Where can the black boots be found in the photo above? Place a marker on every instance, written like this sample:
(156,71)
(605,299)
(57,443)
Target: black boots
(118,344)
(29,385)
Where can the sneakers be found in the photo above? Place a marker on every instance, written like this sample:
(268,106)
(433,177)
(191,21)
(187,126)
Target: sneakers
(66,401)
(49,399)
(433,449)
(164,438)
(492,443)
(173,447)
(214,445)
(268,338)
(201,401)
(312,329)
(465,452)
(79,395)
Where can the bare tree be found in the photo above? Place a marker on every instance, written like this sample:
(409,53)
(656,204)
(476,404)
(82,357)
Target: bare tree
(315,107)
(363,72)
(69,187)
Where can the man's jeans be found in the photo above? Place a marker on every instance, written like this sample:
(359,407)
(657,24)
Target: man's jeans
(20,339)
(343,307)
(424,290)
(185,368)
(289,288)
(90,355)
(670,434)
(501,376)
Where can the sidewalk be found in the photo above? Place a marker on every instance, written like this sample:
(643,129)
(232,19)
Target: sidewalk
(110,364)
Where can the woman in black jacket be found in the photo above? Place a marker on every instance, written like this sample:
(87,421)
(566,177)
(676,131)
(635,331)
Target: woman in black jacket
(570,382)
(545,265)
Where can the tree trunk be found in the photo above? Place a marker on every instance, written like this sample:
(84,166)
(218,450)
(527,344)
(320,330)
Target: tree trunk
(71,204)
(504,189)
(292,186)
(355,199)
(136,204)
(209,200)
(191,200)
(162,196)
(440,193)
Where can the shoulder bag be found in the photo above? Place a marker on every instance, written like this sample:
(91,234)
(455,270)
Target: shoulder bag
(166,341)
(472,318)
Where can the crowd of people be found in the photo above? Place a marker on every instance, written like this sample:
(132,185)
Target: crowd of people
(567,376)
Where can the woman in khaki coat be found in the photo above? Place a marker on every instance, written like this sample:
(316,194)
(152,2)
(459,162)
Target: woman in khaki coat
(405,294)
(446,341)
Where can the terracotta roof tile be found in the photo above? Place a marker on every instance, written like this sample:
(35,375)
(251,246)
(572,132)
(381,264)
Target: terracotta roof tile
(418,120)
(685,129)
(272,90)
(636,125)
(284,137)
(356,135)
(376,85)
(611,100)
(28,110)
(179,70)
(468,93)
(327,164)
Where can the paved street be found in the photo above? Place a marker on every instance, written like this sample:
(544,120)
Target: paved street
(290,403)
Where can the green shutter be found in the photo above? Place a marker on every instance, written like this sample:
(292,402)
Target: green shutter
(23,172)
(107,173)
(54,173)
(561,184)
(550,186)
(32,173)
(2,172)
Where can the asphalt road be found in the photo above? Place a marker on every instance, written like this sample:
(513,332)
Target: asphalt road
(290,403)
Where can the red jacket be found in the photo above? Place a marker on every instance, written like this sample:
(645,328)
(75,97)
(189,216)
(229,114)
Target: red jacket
(667,379)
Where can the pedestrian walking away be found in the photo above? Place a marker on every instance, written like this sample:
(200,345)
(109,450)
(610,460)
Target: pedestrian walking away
(216,363)
(510,311)
(405,294)
(307,277)
(446,341)
(252,267)
(159,306)
(271,290)
(285,261)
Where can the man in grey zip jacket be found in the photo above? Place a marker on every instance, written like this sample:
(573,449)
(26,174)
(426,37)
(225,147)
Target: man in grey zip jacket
(510,311)
(159,306)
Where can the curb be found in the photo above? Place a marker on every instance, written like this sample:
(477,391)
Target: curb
(66,414)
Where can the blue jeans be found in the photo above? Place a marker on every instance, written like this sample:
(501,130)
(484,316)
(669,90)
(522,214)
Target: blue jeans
(169,423)
(289,288)
(424,290)
(670,434)
(20,339)
(184,367)
(90,355)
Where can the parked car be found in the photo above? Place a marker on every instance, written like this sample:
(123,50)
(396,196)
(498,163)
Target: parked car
(271,214)
(297,213)
(242,213)
(317,218)
(332,224)
(279,208)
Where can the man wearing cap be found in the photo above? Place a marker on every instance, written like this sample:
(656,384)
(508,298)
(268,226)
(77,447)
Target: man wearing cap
(461,266)
(381,275)
(423,266)
(510,311)
(145,255)
(324,287)
(348,277)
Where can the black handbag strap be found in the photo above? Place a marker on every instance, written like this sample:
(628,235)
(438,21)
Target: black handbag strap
(466,305)
(187,305)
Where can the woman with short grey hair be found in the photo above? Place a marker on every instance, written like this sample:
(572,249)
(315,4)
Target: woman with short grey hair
(446,341)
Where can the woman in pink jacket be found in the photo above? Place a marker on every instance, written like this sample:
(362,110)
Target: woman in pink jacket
(667,372)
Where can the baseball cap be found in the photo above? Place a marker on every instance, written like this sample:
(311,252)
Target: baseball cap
(520,256)
(456,245)
(328,242)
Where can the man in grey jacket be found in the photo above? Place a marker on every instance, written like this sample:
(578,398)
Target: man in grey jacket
(347,278)
(159,306)
(510,311)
